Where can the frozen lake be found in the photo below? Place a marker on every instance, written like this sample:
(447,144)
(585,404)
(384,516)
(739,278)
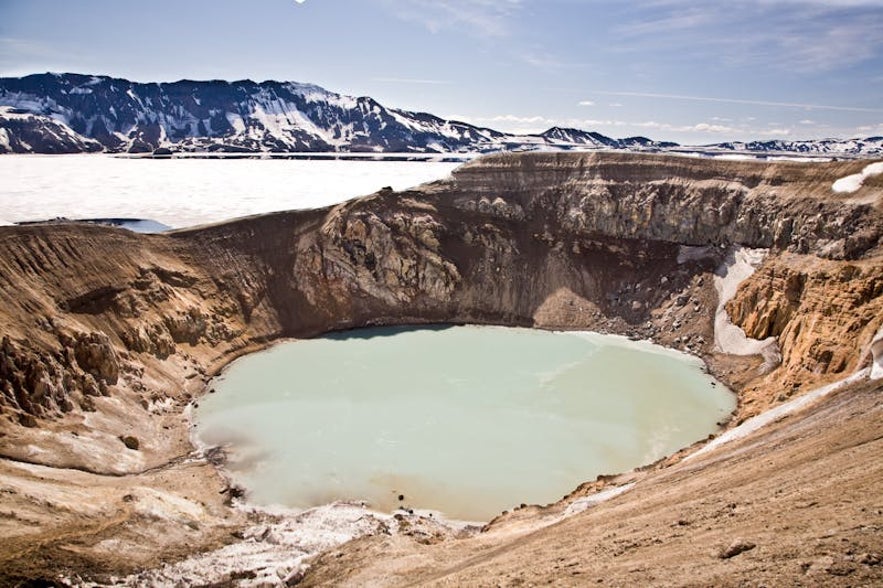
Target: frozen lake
(468,421)
(186,192)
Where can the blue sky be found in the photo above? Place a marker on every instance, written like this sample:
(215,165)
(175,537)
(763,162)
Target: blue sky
(693,71)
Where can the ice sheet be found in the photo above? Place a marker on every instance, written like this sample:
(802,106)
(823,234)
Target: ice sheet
(186,192)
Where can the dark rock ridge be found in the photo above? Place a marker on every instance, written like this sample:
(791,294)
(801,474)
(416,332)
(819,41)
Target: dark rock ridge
(67,113)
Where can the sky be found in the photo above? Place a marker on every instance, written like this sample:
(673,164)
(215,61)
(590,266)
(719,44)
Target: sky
(691,71)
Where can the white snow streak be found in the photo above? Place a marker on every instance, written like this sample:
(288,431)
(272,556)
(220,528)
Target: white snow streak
(236,122)
(586,502)
(729,338)
(877,355)
(774,414)
(852,183)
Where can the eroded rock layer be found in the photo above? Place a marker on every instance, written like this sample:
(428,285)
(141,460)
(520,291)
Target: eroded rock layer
(108,335)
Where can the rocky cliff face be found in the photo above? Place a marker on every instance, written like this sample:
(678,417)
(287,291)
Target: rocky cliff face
(822,314)
(86,306)
(107,335)
(677,200)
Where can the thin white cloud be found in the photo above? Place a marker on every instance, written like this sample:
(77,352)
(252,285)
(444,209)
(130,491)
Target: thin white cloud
(710,128)
(21,57)
(503,118)
(25,48)
(830,3)
(548,61)
(799,105)
(586,103)
(534,124)
(411,81)
(697,128)
(797,35)
(479,17)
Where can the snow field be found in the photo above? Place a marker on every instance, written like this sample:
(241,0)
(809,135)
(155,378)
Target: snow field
(187,192)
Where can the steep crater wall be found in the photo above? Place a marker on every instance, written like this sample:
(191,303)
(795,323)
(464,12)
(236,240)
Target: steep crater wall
(557,240)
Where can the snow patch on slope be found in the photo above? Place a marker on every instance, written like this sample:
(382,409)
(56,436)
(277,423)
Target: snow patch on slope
(274,551)
(877,355)
(849,184)
(236,122)
(728,338)
(586,502)
(753,424)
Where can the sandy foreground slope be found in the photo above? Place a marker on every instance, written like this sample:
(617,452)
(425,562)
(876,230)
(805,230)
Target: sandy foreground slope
(800,503)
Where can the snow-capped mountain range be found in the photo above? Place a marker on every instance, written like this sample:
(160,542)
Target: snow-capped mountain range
(64,113)
(73,113)
(867,147)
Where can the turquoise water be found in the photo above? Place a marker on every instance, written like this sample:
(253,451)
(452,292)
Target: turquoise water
(467,421)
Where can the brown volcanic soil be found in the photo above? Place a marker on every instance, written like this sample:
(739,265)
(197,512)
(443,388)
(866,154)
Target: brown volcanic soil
(107,337)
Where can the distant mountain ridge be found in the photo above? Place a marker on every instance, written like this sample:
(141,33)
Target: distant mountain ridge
(75,113)
(867,146)
(66,113)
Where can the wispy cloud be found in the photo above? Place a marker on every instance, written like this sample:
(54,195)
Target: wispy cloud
(479,17)
(547,61)
(24,56)
(411,81)
(13,46)
(802,35)
(829,3)
(537,123)
(878,128)
(797,105)
(702,127)
(710,128)
(503,118)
